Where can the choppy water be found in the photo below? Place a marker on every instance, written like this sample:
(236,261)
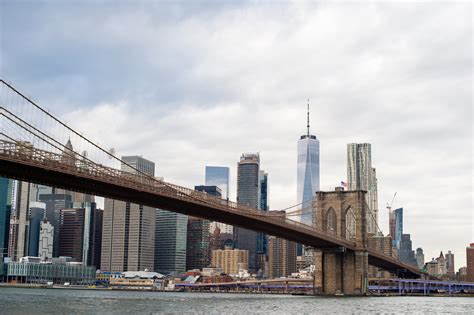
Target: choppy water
(58,301)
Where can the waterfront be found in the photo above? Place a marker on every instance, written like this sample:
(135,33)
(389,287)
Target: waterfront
(62,301)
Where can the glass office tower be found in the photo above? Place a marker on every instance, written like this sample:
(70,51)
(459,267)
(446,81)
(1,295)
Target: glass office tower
(262,238)
(219,176)
(307,174)
(5,208)
(248,194)
(398,214)
(170,242)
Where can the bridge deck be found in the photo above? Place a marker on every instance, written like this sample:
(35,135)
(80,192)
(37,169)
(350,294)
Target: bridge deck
(24,162)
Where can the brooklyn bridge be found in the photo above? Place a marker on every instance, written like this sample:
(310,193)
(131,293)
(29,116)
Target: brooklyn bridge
(33,148)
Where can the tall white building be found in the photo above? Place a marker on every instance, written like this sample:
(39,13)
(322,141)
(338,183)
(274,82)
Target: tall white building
(362,176)
(307,173)
(19,219)
(46,237)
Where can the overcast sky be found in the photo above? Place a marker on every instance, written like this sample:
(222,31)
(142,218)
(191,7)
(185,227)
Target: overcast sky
(193,85)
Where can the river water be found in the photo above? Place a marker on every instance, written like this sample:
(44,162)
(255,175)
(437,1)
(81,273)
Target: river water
(64,301)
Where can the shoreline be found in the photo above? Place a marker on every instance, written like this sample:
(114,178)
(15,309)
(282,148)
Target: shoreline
(300,294)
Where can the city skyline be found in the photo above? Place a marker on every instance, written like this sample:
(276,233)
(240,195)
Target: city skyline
(421,152)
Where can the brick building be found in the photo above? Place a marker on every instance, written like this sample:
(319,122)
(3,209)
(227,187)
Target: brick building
(470,263)
(281,257)
(230,260)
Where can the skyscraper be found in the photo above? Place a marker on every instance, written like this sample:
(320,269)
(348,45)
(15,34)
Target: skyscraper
(398,218)
(36,215)
(450,264)
(441,264)
(46,238)
(262,238)
(264,191)
(134,163)
(210,190)
(54,203)
(248,194)
(307,173)
(420,258)
(128,234)
(71,233)
(391,225)
(5,209)
(248,180)
(69,156)
(198,236)
(470,263)
(406,253)
(170,242)
(374,201)
(43,190)
(19,223)
(362,176)
(80,233)
(92,233)
(281,257)
(219,176)
(197,243)
(94,252)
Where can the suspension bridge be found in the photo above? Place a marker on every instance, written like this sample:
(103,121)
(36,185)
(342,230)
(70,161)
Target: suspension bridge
(33,148)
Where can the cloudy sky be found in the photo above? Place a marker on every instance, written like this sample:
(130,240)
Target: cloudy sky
(193,85)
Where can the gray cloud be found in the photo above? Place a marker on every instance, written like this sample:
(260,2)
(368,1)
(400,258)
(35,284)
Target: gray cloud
(193,86)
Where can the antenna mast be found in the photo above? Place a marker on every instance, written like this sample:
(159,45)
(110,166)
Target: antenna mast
(307,125)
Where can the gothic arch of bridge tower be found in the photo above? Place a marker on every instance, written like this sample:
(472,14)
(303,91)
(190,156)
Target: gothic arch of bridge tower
(338,270)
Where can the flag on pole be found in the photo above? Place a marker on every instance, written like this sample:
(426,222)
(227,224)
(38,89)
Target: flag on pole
(343,184)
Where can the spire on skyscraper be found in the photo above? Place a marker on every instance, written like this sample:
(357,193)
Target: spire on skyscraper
(69,144)
(307,125)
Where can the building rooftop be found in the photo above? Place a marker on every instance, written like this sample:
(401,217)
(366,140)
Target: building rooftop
(142,275)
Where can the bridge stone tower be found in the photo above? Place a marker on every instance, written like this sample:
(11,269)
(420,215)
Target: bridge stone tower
(338,270)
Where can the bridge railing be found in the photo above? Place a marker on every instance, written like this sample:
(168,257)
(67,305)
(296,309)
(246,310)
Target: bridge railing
(27,153)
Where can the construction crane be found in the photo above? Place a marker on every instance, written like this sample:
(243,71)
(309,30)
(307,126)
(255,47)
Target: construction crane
(391,219)
(389,206)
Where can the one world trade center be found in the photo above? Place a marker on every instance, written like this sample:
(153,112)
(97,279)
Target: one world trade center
(308,174)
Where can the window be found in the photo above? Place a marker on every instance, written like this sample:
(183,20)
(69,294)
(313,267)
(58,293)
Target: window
(331,221)
(350,224)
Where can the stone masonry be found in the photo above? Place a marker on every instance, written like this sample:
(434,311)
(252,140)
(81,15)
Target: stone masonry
(339,270)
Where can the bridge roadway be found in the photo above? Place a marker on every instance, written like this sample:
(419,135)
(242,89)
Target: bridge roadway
(24,162)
